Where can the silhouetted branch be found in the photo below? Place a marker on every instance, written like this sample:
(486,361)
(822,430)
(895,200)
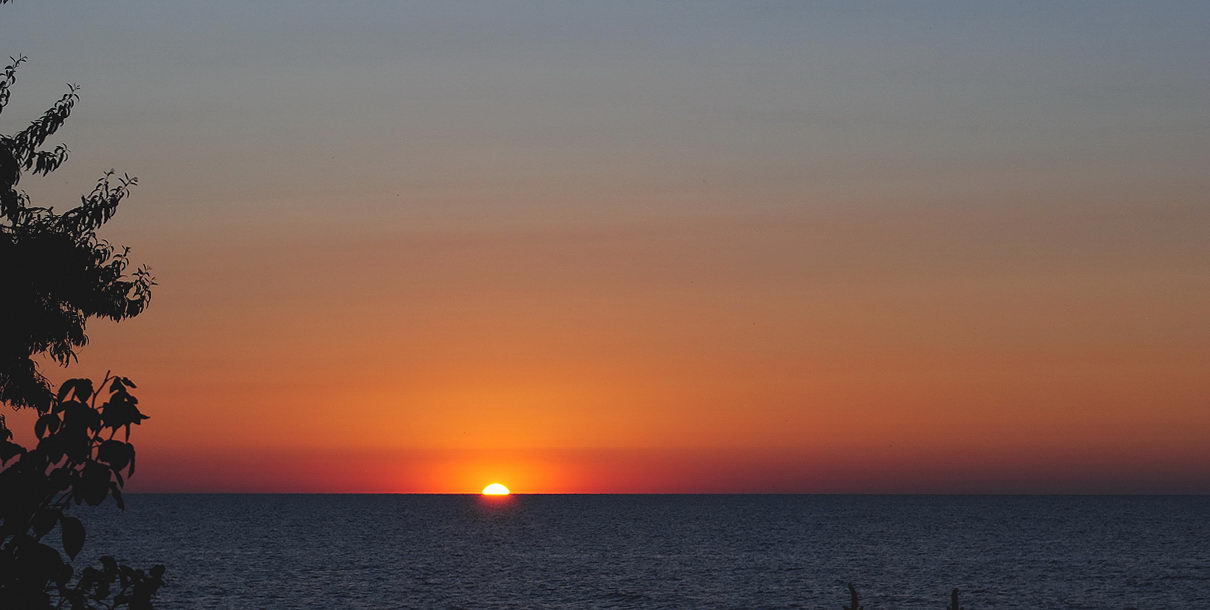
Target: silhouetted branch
(8,77)
(46,125)
(954,600)
(854,599)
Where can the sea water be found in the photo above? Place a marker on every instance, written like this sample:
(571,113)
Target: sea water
(665,551)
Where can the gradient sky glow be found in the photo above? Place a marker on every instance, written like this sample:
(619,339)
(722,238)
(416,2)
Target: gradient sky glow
(649,247)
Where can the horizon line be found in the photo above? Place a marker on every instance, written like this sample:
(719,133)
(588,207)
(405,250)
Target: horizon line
(661,493)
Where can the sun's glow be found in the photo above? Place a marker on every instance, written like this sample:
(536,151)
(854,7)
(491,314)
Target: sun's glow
(496,489)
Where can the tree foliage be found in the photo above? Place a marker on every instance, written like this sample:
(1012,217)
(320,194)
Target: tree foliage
(55,274)
(83,456)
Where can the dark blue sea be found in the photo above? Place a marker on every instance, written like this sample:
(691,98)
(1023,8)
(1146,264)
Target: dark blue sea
(654,551)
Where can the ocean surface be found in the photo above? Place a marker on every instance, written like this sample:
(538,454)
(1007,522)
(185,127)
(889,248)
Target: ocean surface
(652,551)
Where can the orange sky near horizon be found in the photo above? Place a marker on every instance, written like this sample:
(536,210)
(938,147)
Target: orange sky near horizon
(661,247)
(649,359)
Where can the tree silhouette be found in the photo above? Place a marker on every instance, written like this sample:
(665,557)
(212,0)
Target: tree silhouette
(55,274)
(78,459)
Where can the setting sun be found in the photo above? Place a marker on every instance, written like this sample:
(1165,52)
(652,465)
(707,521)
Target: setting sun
(496,489)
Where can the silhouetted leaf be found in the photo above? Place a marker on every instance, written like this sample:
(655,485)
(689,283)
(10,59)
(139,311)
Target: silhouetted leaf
(75,443)
(46,424)
(83,389)
(115,453)
(9,450)
(59,479)
(67,387)
(80,414)
(42,558)
(119,413)
(94,485)
(73,535)
(117,495)
(44,520)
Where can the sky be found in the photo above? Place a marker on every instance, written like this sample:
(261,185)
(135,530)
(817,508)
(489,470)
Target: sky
(595,247)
